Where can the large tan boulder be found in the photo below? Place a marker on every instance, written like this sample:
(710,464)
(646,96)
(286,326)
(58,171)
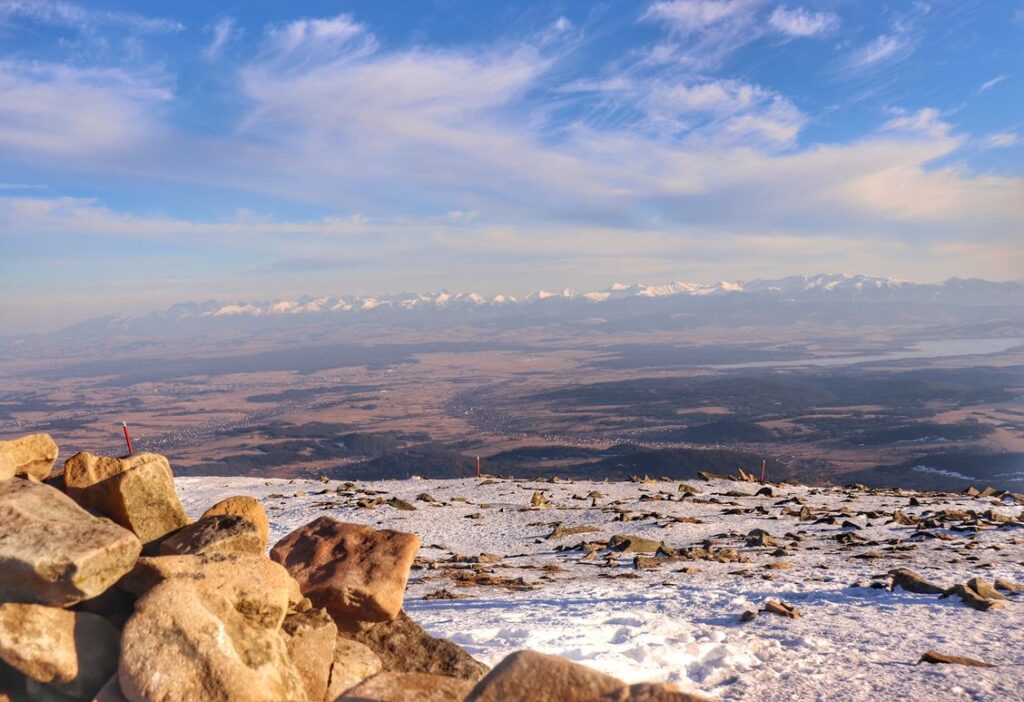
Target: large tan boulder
(310,636)
(8,468)
(247,507)
(75,652)
(30,456)
(52,551)
(408,687)
(136,492)
(528,676)
(219,533)
(353,663)
(404,647)
(258,588)
(185,643)
(358,573)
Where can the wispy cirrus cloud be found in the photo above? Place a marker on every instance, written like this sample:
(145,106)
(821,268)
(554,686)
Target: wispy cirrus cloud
(67,14)
(1004,140)
(703,32)
(63,110)
(989,84)
(881,49)
(800,22)
(223,32)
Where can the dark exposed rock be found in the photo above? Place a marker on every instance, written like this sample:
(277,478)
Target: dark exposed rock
(404,647)
(247,507)
(912,582)
(408,687)
(781,609)
(936,657)
(219,533)
(633,544)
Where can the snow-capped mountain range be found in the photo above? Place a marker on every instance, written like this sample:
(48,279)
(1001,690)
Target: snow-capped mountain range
(834,286)
(793,297)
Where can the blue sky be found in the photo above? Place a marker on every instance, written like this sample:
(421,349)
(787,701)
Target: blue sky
(157,152)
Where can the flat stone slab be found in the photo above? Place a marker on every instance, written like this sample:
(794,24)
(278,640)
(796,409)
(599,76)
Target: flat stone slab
(55,553)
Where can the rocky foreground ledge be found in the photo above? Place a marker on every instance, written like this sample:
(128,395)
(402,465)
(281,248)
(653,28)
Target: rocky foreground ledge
(108,593)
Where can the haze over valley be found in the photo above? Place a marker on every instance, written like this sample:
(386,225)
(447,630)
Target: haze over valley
(825,378)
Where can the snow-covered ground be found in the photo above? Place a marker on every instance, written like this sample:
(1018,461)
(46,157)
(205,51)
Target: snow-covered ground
(671,623)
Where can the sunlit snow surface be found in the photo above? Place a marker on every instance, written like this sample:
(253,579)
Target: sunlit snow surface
(851,643)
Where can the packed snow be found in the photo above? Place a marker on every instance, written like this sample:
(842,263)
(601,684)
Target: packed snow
(680,622)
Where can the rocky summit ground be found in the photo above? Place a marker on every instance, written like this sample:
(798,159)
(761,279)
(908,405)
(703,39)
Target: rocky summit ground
(726,587)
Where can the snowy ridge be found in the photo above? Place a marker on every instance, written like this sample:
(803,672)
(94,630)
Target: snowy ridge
(680,622)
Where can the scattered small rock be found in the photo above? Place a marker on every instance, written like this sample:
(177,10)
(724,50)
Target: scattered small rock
(780,608)
(936,657)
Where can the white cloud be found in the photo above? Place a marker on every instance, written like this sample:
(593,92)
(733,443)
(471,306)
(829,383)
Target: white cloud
(224,31)
(703,32)
(66,111)
(883,48)
(66,14)
(695,15)
(726,111)
(925,122)
(1004,140)
(989,84)
(340,122)
(803,23)
(331,34)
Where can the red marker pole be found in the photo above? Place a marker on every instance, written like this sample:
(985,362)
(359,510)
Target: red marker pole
(127,438)
(763,464)
(478,466)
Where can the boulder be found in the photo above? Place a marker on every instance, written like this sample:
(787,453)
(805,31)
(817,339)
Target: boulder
(404,647)
(528,676)
(353,663)
(258,588)
(408,687)
(310,636)
(136,492)
(52,551)
(219,533)
(356,572)
(30,457)
(185,643)
(247,507)
(75,652)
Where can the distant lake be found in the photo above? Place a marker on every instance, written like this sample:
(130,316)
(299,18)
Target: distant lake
(945,348)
